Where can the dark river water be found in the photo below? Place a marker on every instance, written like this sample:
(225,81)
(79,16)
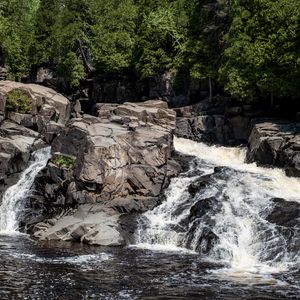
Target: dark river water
(220,199)
(31,270)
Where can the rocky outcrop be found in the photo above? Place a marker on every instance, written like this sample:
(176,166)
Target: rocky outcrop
(121,159)
(271,142)
(49,109)
(276,143)
(20,133)
(92,224)
(16,144)
(220,121)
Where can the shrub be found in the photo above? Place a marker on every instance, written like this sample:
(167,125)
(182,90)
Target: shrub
(19,101)
(64,161)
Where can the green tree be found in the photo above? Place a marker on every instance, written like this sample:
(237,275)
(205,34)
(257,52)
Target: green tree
(208,22)
(16,35)
(160,36)
(262,58)
(113,34)
(62,33)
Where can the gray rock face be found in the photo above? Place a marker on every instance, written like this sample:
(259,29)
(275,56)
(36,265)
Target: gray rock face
(126,153)
(276,143)
(214,122)
(47,105)
(20,134)
(122,161)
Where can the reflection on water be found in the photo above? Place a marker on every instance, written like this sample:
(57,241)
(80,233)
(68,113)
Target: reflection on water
(31,270)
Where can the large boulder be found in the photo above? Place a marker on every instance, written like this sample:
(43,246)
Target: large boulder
(276,143)
(126,153)
(120,158)
(89,223)
(284,213)
(47,106)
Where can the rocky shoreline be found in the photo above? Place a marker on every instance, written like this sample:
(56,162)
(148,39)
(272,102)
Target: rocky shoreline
(112,164)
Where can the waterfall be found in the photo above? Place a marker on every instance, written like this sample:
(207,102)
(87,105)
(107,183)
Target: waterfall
(13,198)
(225,216)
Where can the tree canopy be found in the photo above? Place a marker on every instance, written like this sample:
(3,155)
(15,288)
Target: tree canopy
(250,47)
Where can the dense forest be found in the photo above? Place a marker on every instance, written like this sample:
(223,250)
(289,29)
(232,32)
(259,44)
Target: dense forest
(249,48)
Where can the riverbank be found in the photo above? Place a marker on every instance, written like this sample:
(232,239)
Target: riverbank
(118,160)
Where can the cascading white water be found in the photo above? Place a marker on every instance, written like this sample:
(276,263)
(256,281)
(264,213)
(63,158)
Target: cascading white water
(12,201)
(247,242)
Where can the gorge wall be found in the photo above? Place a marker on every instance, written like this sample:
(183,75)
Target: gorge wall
(103,166)
(114,163)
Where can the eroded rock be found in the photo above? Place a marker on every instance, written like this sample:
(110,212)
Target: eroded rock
(122,161)
(23,133)
(276,143)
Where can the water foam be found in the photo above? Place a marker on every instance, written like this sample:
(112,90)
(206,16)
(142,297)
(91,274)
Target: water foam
(247,243)
(12,201)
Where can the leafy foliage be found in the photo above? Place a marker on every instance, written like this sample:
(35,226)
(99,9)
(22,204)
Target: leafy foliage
(19,101)
(251,47)
(113,34)
(263,53)
(16,38)
(64,161)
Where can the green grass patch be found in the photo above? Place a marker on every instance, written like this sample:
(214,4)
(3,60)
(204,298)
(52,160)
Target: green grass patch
(19,101)
(63,161)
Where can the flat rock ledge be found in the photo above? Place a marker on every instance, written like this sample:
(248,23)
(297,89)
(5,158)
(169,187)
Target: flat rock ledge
(121,164)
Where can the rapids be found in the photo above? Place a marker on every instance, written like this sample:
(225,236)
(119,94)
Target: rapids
(234,231)
(212,238)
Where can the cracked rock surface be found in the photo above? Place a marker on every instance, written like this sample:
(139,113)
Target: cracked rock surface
(122,163)
(21,134)
(276,143)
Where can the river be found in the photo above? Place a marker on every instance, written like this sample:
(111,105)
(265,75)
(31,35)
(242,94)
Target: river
(214,241)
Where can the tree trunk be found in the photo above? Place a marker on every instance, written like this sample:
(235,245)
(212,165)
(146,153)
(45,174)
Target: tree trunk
(210,88)
(272,100)
(87,66)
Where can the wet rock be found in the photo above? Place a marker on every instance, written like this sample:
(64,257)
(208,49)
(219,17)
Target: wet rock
(89,224)
(285,213)
(184,162)
(206,241)
(199,184)
(201,238)
(202,207)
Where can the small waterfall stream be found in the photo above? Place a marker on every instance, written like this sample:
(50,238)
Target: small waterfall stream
(225,215)
(12,201)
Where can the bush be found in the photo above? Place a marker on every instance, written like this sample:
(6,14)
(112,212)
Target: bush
(64,161)
(19,101)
